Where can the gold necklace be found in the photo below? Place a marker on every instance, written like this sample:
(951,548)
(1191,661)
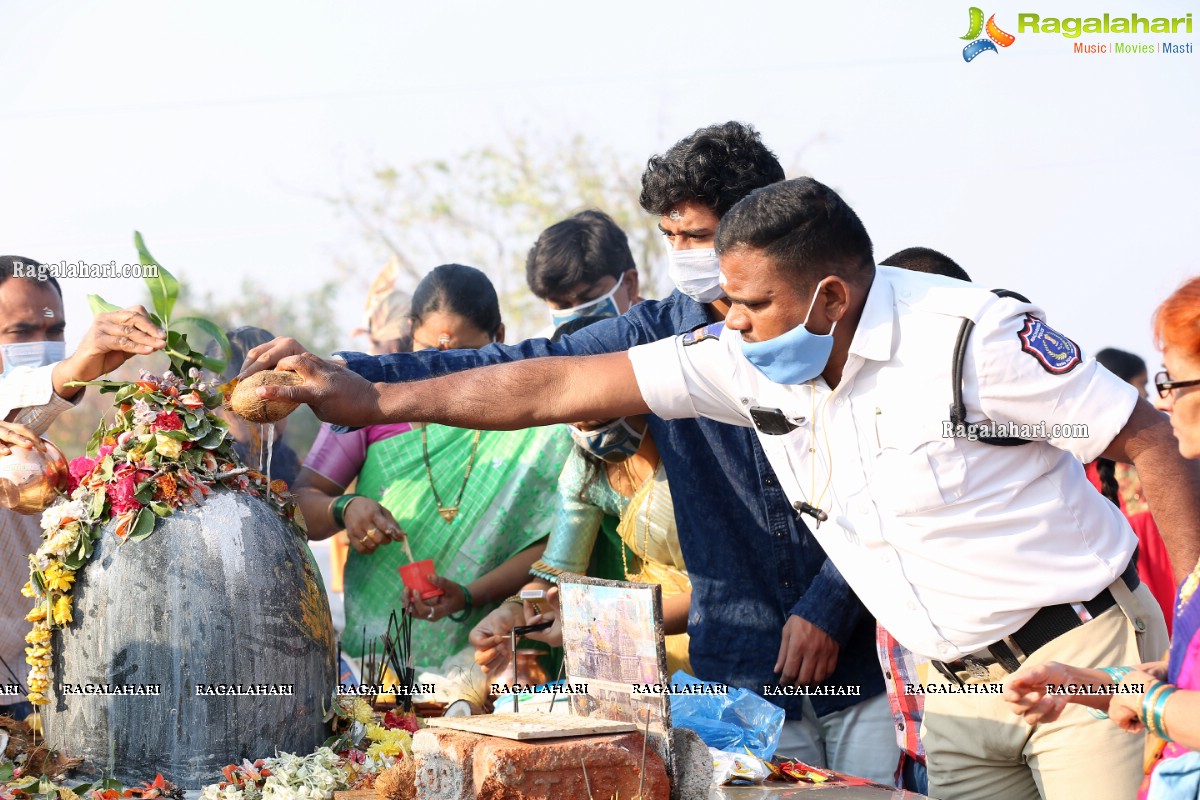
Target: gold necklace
(448,512)
(646,519)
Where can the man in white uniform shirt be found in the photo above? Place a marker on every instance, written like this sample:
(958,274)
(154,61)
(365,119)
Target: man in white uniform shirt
(33,392)
(983,558)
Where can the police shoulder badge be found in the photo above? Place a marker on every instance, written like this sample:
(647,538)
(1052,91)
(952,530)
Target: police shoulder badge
(1056,353)
(700,334)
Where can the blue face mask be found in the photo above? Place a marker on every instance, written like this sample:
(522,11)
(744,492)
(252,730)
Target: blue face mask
(795,357)
(613,442)
(31,354)
(603,306)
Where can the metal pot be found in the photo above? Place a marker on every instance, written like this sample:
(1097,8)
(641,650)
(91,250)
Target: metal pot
(31,480)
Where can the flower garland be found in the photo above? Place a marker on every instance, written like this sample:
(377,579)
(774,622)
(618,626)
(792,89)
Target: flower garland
(368,744)
(164,450)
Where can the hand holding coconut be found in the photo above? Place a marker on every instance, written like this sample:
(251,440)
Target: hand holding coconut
(334,393)
(245,402)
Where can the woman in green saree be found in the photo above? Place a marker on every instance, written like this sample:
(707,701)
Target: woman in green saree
(477,503)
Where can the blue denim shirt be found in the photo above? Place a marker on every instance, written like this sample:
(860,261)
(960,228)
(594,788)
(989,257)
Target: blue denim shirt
(751,561)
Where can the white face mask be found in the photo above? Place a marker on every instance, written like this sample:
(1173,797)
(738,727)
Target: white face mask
(31,354)
(696,273)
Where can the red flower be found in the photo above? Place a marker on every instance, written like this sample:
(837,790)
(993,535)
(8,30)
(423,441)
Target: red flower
(122,494)
(167,421)
(105,449)
(79,468)
(407,722)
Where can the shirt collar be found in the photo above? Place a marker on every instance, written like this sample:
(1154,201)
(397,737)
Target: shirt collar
(688,313)
(875,335)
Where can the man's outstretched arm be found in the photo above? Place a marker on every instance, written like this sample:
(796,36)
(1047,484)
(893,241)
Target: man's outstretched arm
(523,394)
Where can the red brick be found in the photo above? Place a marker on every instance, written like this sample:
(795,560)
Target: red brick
(550,769)
(443,760)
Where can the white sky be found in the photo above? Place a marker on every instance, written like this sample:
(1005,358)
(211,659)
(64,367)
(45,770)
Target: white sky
(215,129)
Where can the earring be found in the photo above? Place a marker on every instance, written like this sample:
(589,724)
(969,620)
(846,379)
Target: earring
(443,341)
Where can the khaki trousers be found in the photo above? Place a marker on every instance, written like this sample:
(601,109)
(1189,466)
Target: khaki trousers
(978,749)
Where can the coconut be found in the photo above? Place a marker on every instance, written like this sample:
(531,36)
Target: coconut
(245,402)
(398,782)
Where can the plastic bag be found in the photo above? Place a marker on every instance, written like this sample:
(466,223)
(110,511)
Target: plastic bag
(734,722)
(737,768)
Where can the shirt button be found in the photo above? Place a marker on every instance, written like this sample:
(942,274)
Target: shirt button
(768,481)
(899,726)
(888,675)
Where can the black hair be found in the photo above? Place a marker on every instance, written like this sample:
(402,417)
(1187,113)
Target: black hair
(803,226)
(581,249)
(9,266)
(241,341)
(717,166)
(1106,470)
(924,259)
(1125,366)
(458,289)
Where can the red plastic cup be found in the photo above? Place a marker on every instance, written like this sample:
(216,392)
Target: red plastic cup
(414,577)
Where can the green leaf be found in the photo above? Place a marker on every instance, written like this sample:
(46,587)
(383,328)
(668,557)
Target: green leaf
(164,289)
(160,508)
(97,509)
(125,392)
(99,305)
(6,772)
(106,469)
(145,492)
(143,526)
(216,333)
(211,439)
(211,364)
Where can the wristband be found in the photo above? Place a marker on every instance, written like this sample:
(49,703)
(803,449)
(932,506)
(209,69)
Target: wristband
(338,508)
(467,608)
(1117,674)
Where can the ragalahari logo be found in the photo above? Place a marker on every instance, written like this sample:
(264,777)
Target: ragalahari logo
(995,36)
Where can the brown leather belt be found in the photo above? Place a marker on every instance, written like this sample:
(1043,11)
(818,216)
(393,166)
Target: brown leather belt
(1046,625)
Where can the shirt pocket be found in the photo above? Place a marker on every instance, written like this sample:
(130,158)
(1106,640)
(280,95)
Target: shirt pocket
(914,473)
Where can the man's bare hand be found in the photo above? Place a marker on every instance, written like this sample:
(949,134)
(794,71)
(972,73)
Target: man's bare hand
(113,338)
(334,393)
(267,355)
(807,654)
(14,435)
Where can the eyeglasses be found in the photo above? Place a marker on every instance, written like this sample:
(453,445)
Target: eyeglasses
(1164,384)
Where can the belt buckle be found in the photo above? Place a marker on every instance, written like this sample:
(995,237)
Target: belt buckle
(976,667)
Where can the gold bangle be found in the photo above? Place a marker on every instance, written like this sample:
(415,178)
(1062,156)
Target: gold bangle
(516,598)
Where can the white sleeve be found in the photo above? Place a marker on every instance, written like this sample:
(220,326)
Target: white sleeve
(679,380)
(1029,373)
(30,391)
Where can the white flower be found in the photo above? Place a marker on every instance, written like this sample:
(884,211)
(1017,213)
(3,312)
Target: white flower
(63,542)
(143,414)
(53,516)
